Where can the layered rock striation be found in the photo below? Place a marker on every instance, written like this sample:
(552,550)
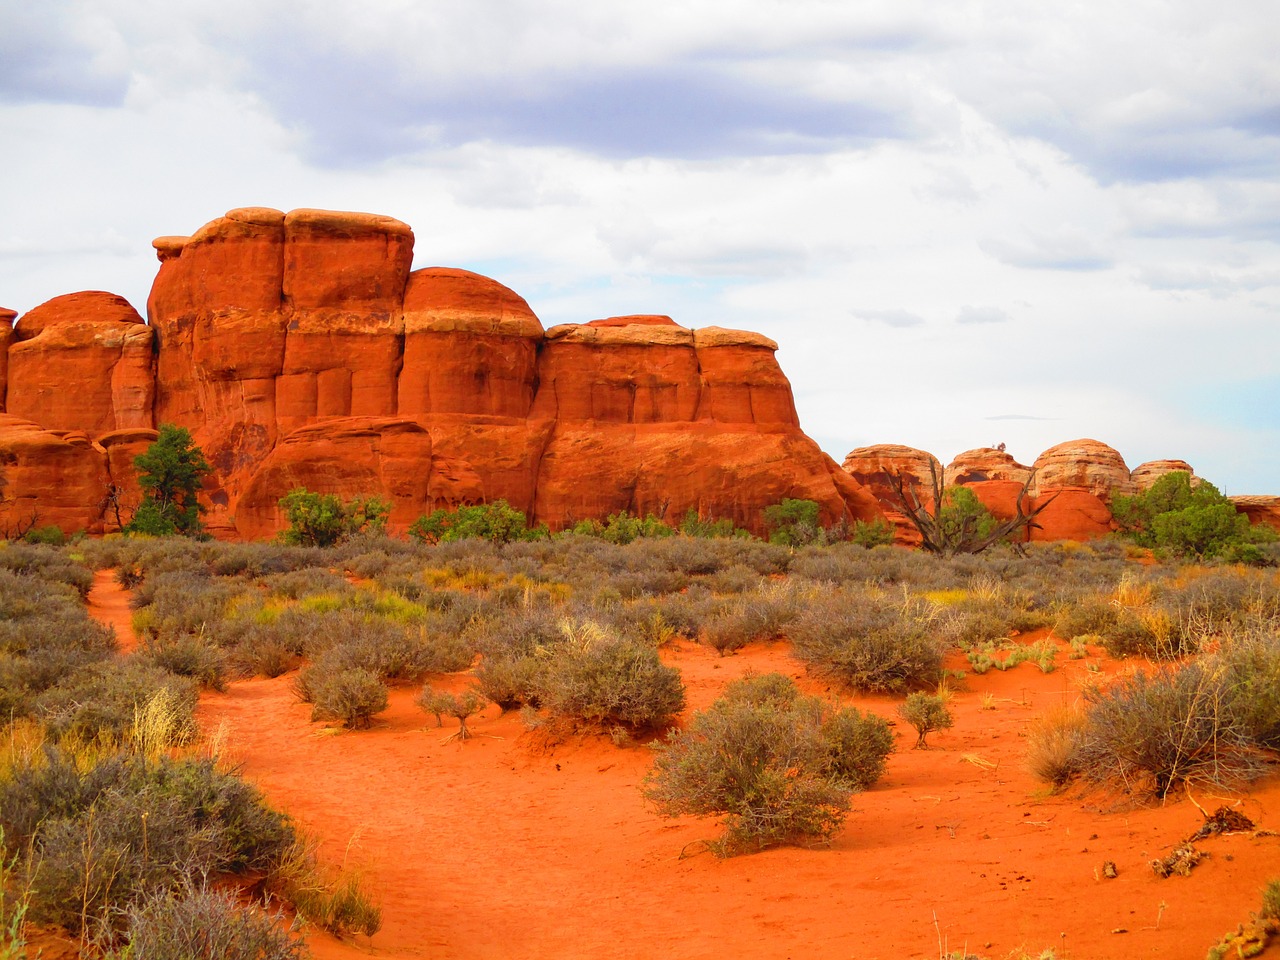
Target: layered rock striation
(302,349)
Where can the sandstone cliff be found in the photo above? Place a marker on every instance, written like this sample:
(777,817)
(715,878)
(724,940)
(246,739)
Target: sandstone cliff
(301,349)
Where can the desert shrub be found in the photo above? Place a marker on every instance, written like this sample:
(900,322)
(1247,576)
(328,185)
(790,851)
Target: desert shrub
(762,614)
(460,706)
(597,676)
(1270,901)
(869,640)
(1151,732)
(295,584)
(97,838)
(780,767)
(353,695)
(1122,631)
(45,564)
(49,534)
(623,528)
(101,699)
(1250,669)
(203,924)
(188,656)
(793,523)
(926,712)
(341,906)
(323,519)
(496,522)
(189,601)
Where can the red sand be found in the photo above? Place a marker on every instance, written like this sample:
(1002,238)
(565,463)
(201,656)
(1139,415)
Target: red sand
(109,604)
(505,846)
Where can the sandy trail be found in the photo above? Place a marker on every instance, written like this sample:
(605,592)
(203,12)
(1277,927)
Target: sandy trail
(109,604)
(506,846)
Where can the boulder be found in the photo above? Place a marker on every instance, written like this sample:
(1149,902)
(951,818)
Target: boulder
(343,292)
(741,379)
(120,447)
(870,467)
(82,361)
(1146,474)
(1260,509)
(50,478)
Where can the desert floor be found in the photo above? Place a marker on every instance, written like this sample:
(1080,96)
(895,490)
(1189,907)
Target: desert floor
(515,845)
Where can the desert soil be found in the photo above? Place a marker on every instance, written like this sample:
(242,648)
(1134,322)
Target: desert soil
(514,845)
(510,845)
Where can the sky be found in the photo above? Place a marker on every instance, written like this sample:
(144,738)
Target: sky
(965,223)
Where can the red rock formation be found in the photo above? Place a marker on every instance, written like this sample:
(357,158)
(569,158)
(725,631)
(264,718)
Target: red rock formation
(870,467)
(1259,509)
(354,456)
(300,350)
(1146,474)
(82,361)
(995,478)
(6,337)
(120,447)
(1085,475)
(470,346)
(50,478)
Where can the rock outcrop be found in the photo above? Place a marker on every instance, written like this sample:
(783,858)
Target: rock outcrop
(1146,474)
(82,362)
(51,477)
(301,350)
(996,479)
(1260,509)
(871,467)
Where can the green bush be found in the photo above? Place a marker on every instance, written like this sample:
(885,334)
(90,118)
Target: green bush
(497,522)
(170,473)
(1194,522)
(780,767)
(323,519)
(602,678)
(793,523)
(623,528)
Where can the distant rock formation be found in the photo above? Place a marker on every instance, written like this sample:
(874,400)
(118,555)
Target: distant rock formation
(301,349)
(1081,477)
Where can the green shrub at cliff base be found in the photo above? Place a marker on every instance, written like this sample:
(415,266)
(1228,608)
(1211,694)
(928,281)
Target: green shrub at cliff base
(780,767)
(497,522)
(170,473)
(623,528)
(1193,522)
(793,523)
(323,519)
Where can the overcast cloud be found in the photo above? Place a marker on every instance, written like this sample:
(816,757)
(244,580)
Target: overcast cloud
(964,223)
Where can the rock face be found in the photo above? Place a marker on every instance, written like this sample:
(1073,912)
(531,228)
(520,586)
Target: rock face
(301,350)
(1260,509)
